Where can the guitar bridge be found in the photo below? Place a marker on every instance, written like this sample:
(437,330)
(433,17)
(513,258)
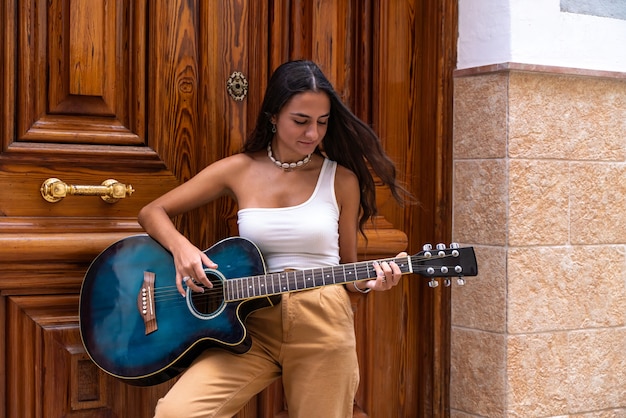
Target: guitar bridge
(145,302)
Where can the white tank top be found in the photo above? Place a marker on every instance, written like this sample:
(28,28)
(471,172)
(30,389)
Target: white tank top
(301,236)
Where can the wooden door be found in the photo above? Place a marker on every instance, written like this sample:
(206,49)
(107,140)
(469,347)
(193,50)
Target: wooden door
(91,90)
(135,90)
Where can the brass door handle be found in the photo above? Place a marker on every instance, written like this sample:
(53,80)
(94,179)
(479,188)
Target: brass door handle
(53,190)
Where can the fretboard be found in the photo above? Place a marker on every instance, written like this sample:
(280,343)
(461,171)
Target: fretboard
(296,280)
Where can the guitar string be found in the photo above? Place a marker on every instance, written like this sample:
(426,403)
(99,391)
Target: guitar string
(357,267)
(276,281)
(214,294)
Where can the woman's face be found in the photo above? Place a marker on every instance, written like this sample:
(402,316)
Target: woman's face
(301,125)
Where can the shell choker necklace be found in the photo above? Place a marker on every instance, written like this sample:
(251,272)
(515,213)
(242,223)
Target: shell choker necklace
(287,166)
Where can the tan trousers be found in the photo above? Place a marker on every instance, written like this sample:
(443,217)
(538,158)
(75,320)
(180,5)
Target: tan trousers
(308,339)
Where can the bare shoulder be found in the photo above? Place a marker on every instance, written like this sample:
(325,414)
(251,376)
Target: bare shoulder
(228,166)
(222,175)
(344,175)
(346,183)
(235,162)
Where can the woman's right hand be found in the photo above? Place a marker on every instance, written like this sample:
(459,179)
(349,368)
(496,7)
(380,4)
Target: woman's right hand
(190,263)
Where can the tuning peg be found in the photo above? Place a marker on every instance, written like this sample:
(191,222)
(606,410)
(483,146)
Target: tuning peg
(460,281)
(433,283)
(447,283)
(427,247)
(455,245)
(441,246)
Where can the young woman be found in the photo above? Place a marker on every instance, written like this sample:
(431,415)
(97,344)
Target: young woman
(304,190)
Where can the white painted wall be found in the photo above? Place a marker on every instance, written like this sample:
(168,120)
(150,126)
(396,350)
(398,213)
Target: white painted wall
(537,32)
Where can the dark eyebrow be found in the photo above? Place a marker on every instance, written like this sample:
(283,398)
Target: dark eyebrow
(302,115)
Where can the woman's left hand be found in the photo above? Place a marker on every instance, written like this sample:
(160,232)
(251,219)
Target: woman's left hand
(388,274)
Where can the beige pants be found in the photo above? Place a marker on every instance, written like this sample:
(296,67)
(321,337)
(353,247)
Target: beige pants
(308,339)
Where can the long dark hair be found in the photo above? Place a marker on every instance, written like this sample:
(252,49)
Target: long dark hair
(348,141)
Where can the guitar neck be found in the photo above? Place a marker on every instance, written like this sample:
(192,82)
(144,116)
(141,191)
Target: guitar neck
(296,280)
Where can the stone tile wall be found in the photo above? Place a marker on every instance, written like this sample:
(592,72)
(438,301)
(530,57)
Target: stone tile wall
(540,192)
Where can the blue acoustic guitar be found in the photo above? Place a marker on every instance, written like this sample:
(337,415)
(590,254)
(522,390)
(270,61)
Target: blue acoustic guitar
(136,326)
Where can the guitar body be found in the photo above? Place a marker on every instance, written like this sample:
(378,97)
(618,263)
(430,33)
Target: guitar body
(114,329)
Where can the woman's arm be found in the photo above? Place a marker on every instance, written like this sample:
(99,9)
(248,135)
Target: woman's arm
(347,192)
(156,218)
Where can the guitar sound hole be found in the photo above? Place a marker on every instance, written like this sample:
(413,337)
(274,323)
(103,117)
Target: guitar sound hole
(208,302)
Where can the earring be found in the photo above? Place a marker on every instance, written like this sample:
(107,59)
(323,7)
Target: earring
(273,128)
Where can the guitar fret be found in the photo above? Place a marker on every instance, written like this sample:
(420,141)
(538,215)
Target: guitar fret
(327,275)
(351,274)
(239,289)
(284,284)
(318,278)
(307,275)
(227,290)
(236,289)
(244,288)
(358,271)
(252,288)
(322,278)
(338,272)
(277,283)
(268,285)
(236,293)
(369,269)
(291,280)
(291,283)
(299,279)
(407,264)
(299,284)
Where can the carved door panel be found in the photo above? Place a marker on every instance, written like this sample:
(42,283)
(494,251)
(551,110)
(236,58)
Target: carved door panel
(94,90)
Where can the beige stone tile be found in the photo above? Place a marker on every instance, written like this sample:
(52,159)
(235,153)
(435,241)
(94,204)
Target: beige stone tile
(537,375)
(597,371)
(611,413)
(568,374)
(480,202)
(480,119)
(566,288)
(598,203)
(539,202)
(566,117)
(477,372)
(481,302)
(461,414)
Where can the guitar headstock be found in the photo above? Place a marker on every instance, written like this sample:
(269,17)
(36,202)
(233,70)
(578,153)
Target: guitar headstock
(445,262)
